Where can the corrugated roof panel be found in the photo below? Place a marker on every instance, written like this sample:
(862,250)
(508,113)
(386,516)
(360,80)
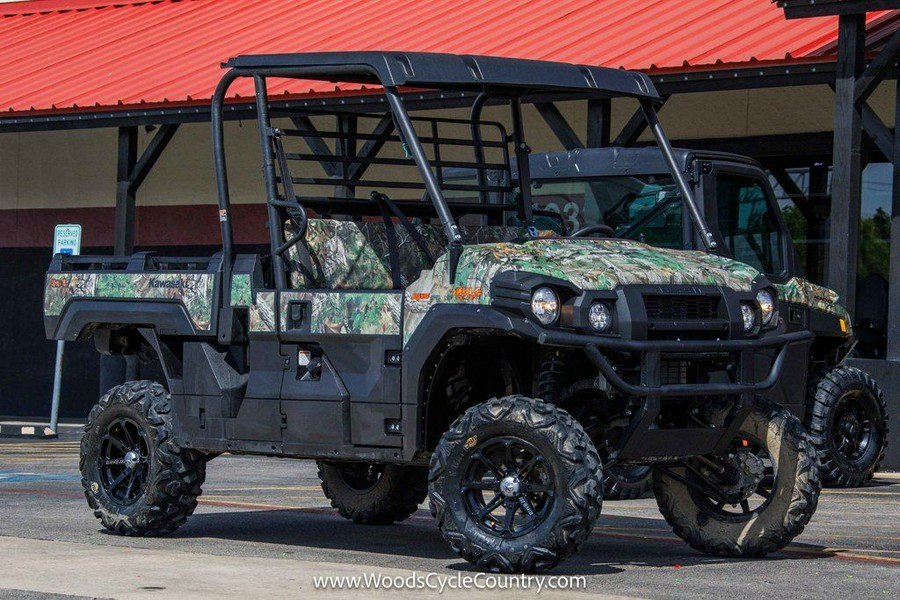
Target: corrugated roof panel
(62,54)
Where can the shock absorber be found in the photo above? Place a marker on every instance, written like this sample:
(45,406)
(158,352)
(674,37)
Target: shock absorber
(549,376)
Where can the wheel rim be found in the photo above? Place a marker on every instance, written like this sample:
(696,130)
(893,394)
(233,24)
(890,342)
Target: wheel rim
(508,487)
(852,427)
(124,461)
(361,477)
(736,506)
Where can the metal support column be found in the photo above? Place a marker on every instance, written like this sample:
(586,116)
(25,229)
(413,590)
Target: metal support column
(125,197)
(893,326)
(846,174)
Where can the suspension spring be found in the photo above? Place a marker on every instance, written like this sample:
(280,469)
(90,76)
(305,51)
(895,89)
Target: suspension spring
(549,376)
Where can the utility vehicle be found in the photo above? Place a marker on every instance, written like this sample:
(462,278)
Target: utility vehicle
(448,340)
(632,191)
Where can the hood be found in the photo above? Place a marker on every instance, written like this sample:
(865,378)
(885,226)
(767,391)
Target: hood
(592,264)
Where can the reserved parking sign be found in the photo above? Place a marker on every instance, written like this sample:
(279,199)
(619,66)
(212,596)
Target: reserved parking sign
(67,239)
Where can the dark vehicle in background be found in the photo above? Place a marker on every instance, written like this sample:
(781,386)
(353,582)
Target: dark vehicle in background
(632,191)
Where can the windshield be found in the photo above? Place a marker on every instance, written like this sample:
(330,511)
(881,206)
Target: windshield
(647,208)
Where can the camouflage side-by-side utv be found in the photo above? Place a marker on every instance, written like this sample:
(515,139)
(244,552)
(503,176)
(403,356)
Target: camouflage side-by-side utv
(632,191)
(446,340)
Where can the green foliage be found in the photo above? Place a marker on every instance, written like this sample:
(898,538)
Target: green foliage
(874,244)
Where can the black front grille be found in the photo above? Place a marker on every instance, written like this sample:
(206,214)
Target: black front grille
(681,308)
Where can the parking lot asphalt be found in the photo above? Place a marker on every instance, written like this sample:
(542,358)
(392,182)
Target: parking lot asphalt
(263,529)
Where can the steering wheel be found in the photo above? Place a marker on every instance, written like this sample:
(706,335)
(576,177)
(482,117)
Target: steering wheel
(590,230)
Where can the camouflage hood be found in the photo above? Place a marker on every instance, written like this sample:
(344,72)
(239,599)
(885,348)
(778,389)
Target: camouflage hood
(602,264)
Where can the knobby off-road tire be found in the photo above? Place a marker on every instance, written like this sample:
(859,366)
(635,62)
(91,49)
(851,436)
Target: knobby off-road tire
(547,460)
(847,417)
(373,494)
(160,492)
(792,502)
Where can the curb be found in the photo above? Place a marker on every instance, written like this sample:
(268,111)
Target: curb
(27,431)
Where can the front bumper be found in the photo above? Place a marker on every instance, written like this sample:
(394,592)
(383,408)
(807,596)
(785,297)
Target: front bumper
(645,440)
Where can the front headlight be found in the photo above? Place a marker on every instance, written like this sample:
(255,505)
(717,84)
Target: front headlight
(599,317)
(545,305)
(766,306)
(748,315)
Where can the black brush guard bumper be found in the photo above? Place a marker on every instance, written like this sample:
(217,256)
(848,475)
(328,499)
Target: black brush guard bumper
(644,441)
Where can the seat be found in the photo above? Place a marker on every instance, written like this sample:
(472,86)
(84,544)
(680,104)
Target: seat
(350,255)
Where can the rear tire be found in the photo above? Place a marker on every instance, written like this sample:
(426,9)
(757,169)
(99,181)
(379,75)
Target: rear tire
(529,459)
(792,495)
(373,494)
(847,417)
(137,480)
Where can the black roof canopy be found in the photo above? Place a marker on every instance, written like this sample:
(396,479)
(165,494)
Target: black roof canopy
(452,72)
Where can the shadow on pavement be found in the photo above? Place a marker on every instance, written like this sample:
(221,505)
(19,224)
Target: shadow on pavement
(618,542)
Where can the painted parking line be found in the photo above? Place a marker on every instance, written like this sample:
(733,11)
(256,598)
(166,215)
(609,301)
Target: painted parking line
(7,477)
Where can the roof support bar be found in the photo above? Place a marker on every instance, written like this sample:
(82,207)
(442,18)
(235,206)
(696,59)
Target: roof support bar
(316,143)
(846,173)
(598,124)
(150,155)
(345,147)
(792,190)
(371,148)
(878,131)
(635,126)
(268,156)
(125,198)
(131,172)
(877,69)
(559,125)
(893,324)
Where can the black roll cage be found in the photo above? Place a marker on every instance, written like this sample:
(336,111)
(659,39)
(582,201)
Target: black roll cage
(496,79)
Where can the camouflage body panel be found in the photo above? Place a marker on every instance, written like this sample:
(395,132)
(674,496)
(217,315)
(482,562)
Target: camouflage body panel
(261,305)
(194,290)
(356,313)
(350,255)
(587,263)
(241,290)
(800,291)
(262,313)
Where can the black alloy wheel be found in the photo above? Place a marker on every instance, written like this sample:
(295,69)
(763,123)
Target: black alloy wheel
(124,461)
(507,488)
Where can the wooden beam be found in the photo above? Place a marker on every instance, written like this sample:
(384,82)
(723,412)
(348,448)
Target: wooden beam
(877,69)
(316,144)
(371,148)
(893,325)
(635,126)
(792,190)
(125,199)
(877,131)
(150,155)
(598,123)
(800,9)
(559,125)
(846,171)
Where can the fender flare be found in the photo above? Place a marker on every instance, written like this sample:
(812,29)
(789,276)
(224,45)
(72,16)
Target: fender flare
(165,316)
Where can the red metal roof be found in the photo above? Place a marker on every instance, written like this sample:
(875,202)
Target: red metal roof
(59,55)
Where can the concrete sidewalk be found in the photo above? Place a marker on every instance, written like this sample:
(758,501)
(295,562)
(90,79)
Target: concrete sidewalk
(90,570)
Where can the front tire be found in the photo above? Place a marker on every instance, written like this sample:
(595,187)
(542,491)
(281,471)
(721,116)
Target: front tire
(137,480)
(847,417)
(774,467)
(515,485)
(373,494)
